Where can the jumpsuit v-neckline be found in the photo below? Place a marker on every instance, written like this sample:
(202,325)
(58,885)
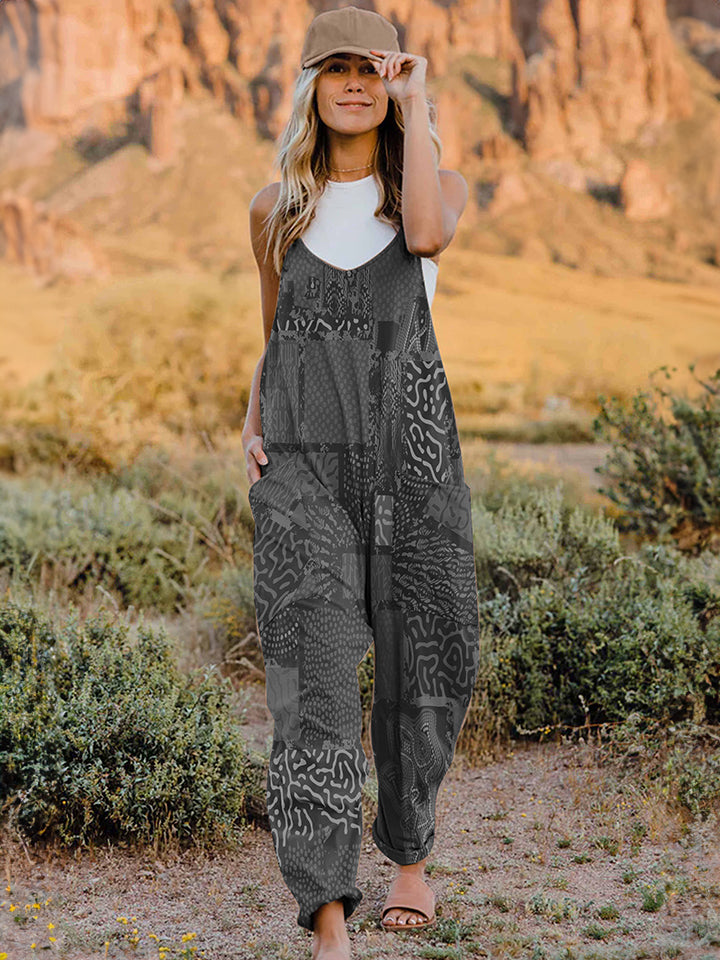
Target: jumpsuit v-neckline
(363,534)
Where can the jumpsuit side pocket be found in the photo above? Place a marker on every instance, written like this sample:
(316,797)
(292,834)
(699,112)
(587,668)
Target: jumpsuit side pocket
(433,550)
(280,532)
(252,489)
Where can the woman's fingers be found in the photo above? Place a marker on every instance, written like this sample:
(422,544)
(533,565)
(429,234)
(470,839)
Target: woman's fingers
(255,456)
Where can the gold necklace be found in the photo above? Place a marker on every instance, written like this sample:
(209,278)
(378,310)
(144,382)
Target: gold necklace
(349,169)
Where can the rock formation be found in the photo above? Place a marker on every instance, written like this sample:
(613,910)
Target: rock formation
(594,72)
(47,244)
(585,70)
(587,75)
(701,39)
(644,192)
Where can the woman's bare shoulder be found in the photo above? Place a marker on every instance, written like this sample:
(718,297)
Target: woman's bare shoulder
(260,207)
(264,200)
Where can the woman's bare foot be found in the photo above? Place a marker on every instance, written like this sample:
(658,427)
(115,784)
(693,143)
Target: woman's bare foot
(330,936)
(409,917)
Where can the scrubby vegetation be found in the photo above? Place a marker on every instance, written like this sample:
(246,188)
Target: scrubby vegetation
(664,470)
(102,737)
(577,632)
(161,535)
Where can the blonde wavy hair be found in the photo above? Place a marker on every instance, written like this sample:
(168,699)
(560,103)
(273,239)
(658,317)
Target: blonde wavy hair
(304,161)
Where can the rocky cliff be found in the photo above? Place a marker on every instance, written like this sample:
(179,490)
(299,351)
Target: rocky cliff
(585,70)
(586,76)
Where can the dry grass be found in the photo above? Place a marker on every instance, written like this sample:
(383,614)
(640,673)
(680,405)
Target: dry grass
(151,358)
(522,339)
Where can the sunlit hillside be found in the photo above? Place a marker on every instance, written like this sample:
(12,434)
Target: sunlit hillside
(538,308)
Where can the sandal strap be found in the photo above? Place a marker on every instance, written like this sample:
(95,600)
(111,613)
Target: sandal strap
(410,892)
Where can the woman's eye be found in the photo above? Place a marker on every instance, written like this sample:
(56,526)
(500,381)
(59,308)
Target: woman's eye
(369,68)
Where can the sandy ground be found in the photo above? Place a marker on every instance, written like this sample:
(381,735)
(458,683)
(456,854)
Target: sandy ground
(567,458)
(504,886)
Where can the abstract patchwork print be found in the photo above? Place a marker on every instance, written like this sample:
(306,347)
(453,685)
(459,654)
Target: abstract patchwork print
(363,534)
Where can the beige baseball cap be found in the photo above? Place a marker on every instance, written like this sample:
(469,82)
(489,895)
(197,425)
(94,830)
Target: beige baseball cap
(347,30)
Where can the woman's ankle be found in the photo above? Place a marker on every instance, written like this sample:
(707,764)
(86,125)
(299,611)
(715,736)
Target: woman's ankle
(329,920)
(418,867)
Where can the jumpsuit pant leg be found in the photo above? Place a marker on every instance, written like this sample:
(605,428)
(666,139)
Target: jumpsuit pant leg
(323,594)
(426,626)
(309,580)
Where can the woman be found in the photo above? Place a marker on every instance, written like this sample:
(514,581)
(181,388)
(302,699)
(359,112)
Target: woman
(362,514)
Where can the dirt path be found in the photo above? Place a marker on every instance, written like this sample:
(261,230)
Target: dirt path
(578,457)
(528,851)
(569,459)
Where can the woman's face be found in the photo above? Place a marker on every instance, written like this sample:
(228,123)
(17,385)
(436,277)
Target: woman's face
(351,96)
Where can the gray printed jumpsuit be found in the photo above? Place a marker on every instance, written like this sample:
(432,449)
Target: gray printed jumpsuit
(363,533)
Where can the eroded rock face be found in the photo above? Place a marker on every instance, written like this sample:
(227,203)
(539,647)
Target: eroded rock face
(586,75)
(585,70)
(44,242)
(595,71)
(707,10)
(701,39)
(644,192)
(63,62)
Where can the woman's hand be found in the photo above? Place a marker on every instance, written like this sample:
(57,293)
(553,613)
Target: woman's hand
(254,456)
(403,73)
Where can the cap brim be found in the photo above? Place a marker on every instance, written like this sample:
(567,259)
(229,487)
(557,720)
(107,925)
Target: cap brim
(362,51)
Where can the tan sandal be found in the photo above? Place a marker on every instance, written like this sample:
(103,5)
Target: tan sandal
(408,891)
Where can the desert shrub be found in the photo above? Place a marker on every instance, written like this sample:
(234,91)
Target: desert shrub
(499,482)
(84,534)
(101,737)
(539,537)
(665,470)
(682,760)
(573,632)
(230,607)
(152,534)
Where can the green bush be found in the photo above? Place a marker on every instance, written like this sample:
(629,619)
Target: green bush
(537,538)
(103,738)
(79,535)
(572,631)
(665,474)
(149,536)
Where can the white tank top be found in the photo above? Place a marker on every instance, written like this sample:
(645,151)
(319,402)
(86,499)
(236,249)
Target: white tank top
(345,233)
